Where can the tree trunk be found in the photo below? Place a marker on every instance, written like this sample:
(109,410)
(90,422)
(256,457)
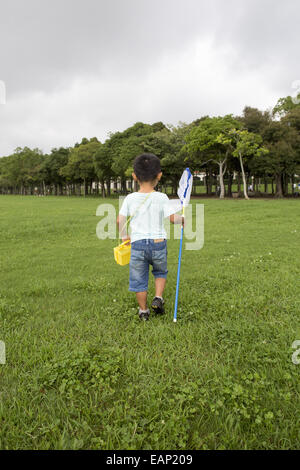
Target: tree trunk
(174,188)
(285,184)
(103,188)
(123,185)
(221,177)
(108,187)
(194,187)
(208,182)
(244,177)
(239,183)
(279,189)
(229,185)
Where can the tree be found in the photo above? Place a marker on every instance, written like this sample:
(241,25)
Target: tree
(244,144)
(103,166)
(123,147)
(254,120)
(22,170)
(286,105)
(80,166)
(52,164)
(174,156)
(282,141)
(208,141)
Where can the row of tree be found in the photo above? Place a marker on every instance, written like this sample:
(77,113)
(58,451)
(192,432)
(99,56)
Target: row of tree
(259,145)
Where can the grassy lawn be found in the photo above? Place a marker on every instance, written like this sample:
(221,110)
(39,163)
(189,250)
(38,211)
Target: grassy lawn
(81,370)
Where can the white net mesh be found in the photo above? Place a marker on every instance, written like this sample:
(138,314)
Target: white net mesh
(185,187)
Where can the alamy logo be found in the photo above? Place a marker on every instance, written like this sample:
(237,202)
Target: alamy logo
(2,352)
(194,215)
(295,358)
(2,92)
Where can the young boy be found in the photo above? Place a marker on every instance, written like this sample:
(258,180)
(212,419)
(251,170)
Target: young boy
(147,209)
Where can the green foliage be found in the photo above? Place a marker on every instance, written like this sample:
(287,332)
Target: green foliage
(243,143)
(103,163)
(282,140)
(139,138)
(174,155)
(270,149)
(255,120)
(210,137)
(285,105)
(22,168)
(52,164)
(80,165)
(82,371)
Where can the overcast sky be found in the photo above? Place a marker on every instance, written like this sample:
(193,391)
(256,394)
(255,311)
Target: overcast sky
(83,68)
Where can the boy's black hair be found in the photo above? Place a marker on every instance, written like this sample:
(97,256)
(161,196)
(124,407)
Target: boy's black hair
(146,167)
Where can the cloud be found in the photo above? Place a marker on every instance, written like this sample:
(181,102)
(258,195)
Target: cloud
(48,42)
(75,68)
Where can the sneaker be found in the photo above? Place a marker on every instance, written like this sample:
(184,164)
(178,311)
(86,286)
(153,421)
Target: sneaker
(144,315)
(158,305)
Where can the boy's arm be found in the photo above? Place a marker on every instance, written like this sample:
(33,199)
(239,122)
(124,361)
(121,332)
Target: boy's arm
(121,220)
(170,208)
(121,223)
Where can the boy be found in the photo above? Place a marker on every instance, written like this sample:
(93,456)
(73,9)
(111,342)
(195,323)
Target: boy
(148,208)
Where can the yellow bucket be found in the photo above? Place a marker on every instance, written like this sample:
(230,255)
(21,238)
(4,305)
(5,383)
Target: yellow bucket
(122,253)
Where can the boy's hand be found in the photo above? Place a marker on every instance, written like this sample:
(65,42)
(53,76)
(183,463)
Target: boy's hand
(177,219)
(124,239)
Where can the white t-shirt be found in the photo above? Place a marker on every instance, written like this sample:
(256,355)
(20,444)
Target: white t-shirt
(148,221)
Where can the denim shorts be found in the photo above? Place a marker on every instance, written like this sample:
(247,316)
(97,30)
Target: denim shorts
(143,253)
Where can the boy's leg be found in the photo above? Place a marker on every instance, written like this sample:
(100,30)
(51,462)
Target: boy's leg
(138,276)
(160,284)
(141,297)
(159,262)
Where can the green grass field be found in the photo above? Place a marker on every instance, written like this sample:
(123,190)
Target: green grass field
(81,370)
